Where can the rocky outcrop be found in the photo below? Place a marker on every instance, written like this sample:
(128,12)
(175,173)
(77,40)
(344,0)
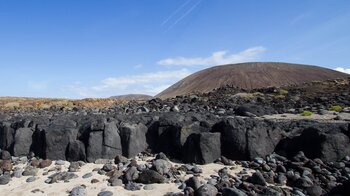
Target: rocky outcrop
(58,135)
(6,135)
(22,142)
(247,138)
(104,140)
(329,142)
(202,148)
(133,139)
(191,137)
(76,151)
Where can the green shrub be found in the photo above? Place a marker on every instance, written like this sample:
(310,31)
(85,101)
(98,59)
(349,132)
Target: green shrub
(282,92)
(280,97)
(307,113)
(336,108)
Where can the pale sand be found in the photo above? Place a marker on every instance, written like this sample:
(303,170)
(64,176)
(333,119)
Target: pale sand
(19,186)
(326,117)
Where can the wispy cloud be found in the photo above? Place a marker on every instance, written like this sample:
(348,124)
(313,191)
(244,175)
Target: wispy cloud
(299,18)
(146,83)
(38,86)
(138,66)
(341,69)
(217,58)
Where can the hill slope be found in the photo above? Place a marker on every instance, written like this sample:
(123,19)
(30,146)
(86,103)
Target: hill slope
(135,97)
(250,76)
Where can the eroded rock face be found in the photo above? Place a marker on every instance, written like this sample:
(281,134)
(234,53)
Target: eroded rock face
(169,134)
(247,138)
(133,137)
(190,137)
(202,148)
(76,151)
(104,140)
(326,141)
(6,135)
(57,137)
(23,141)
(94,149)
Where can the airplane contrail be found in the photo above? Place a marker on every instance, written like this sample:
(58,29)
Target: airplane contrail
(185,14)
(175,12)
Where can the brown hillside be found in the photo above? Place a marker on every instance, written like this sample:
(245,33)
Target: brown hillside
(250,76)
(133,97)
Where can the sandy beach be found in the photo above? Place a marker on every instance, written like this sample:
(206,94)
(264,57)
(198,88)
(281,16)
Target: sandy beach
(19,186)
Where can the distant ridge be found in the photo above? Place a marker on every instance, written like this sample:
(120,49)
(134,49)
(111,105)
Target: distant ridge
(250,76)
(133,97)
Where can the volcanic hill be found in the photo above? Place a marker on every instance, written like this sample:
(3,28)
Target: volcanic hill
(250,76)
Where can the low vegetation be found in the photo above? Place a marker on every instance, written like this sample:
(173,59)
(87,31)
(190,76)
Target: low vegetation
(282,92)
(336,108)
(307,113)
(13,103)
(280,97)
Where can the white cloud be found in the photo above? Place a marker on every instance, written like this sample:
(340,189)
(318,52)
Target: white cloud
(217,58)
(341,69)
(38,86)
(138,66)
(146,83)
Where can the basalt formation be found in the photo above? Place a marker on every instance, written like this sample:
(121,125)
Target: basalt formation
(308,146)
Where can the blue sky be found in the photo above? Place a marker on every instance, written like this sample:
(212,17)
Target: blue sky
(100,48)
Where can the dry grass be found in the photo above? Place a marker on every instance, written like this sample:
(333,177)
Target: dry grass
(13,103)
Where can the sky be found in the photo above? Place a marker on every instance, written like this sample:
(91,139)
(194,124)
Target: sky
(85,48)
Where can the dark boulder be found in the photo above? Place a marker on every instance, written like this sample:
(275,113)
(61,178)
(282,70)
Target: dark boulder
(161,166)
(111,141)
(335,147)
(150,177)
(264,133)
(251,110)
(133,138)
(94,148)
(232,192)
(206,190)
(76,151)
(193,182)
(342,189)
(23,142)
(104,140)
(38,142)
(243,138)
(258,178)
(131,174)
(5,155)
(325,141)
(163,134)
(98,124)
(57,137)
(314,190)
(171,134)
(6,135)
(202,148)
(233,138)
(5,179)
